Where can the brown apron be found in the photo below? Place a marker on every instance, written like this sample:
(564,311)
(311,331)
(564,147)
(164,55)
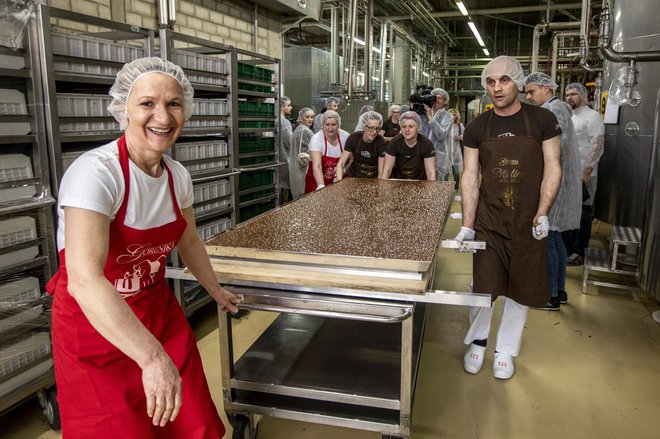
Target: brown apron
(409,165)
(514,264)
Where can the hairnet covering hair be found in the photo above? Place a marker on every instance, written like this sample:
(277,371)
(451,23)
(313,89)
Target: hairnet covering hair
(302,112)
(441,92)
(134,70)
(284,100)
(331,100)
(542,80)
(393,108)
(580,89)
(365,108)
(504,66)
(411,115)
(330,114)
(368,117)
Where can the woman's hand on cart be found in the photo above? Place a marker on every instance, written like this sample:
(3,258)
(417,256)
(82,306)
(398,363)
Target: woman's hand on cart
(227,300)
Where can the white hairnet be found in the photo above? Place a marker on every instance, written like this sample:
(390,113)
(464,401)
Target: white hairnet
(330,114)
(411,115)
(302,112)
(284,100)
(441,92)
(366,118)
(392,108)
(542,80)
(133,71)
(581,89)
(504,66)
(365,108)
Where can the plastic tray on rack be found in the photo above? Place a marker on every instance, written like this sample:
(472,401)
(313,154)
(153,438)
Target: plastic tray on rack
(211,229)
(16,231)
(83,105)
(212,155)
(94,48)
(208,191)
(19,292)
(12,103)
(13,168)
(210,107)
(20,354)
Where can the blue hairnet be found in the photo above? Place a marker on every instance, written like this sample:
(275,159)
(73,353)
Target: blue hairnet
(504,66)
(411,115)
(133,71)
(365,118)
(542,80)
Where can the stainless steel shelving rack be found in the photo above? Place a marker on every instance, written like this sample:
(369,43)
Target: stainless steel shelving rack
(205,146)
(25,353)
(257,125)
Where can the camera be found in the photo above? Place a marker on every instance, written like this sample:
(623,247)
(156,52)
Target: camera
(421,98)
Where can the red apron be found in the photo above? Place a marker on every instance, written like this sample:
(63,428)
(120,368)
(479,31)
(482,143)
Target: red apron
(100,392)
(328,165)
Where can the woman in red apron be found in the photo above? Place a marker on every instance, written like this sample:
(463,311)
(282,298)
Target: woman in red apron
(325,148)
(126,360)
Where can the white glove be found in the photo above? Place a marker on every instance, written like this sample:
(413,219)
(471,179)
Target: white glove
(466,234)
(303,159)
(319,187)
(541,229)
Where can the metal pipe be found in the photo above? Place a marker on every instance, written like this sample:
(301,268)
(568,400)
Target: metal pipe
(171,9)
(351,48)
(368,44)
(541,29)
(334,36)
(555,49)
(613,55)
(255,28)
(382,62)
(162,13)
(490,11)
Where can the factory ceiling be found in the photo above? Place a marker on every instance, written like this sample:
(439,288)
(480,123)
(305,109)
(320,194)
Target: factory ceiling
(438,26)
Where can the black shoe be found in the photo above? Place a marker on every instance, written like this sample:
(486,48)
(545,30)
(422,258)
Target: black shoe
(563,296)
(553,305)
(574,260)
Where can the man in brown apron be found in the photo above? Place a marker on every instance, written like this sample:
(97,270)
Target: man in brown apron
(516,149)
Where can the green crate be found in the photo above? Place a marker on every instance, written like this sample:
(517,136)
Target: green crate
(252,211)
(248,108)
(255,195)
(250,180)
(266,143)
(249,124)
(266,109)
(247,161)
(246,71)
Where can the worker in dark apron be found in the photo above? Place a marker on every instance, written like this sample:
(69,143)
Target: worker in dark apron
(365,149)
(516,149)
(409,155)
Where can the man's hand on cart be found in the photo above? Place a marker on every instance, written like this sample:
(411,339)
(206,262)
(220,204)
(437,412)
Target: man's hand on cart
(466,234)
(162,388)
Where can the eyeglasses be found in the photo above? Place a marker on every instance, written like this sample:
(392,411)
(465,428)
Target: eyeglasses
(371,128)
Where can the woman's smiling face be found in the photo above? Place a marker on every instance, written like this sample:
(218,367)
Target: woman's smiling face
(155,112)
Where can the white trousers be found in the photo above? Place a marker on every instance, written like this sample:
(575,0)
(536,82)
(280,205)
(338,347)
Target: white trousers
(509,335)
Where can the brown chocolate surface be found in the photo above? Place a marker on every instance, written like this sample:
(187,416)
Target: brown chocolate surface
(390,219)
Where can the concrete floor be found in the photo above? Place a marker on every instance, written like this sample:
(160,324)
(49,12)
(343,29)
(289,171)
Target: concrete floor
(591,370)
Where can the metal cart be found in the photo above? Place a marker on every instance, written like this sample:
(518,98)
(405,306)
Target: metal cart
(345,346)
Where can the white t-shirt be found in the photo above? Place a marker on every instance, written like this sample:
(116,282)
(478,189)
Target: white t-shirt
(94,181)
(317,143)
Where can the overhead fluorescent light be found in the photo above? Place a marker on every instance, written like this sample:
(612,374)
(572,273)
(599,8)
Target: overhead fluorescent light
(462,7)
(375,78)
(476,33)
(414,67)
(425,74)
(486,52)
(376,49)
(359,41)
(360,73)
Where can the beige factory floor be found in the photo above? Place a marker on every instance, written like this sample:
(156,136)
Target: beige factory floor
(591,370)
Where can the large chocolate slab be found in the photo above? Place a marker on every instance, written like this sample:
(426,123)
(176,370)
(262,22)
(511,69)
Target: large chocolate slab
(385,219)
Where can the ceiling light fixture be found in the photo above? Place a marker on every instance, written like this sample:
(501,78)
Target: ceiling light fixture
(486,52)
(475,31)
(359,41)
(425,74)
(462,7)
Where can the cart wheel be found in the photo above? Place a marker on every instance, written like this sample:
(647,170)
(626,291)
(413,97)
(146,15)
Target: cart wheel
(242,427)
(52,409)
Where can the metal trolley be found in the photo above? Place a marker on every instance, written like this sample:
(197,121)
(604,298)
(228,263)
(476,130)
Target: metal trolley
(344,348)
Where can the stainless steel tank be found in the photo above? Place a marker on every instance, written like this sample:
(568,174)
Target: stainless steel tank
(628,191)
